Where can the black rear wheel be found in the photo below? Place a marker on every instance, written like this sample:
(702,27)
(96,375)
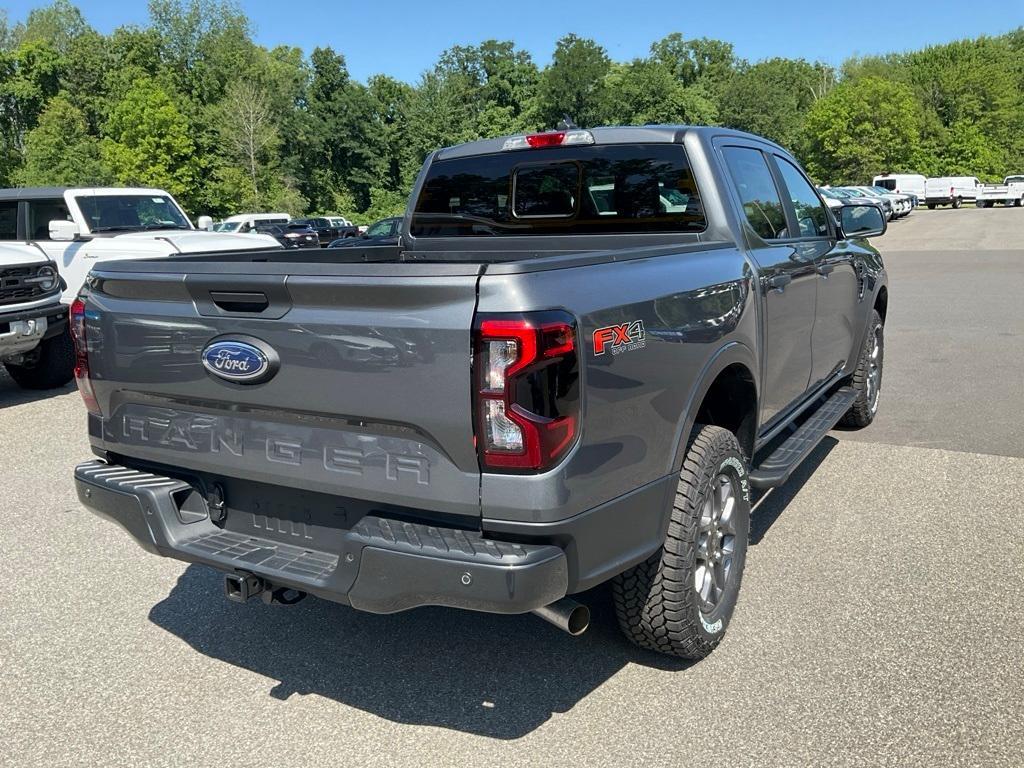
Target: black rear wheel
(51,365)
(680,600)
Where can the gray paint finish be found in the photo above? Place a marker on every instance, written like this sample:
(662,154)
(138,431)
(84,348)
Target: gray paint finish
(373,401)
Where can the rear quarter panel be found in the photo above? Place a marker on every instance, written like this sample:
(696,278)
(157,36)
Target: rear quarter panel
(693,305)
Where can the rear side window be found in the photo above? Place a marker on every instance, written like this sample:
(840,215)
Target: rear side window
(762,203)
(811,216)
(9,220)
(41,213)
(609,189)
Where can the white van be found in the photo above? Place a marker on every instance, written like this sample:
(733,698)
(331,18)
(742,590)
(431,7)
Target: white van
(951,190)
(901,183)
(246,222)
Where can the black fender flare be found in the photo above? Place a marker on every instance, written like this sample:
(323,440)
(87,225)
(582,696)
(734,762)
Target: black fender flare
(731,353)
(869,301)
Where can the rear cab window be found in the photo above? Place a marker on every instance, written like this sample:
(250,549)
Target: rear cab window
(762,203)
(593,190)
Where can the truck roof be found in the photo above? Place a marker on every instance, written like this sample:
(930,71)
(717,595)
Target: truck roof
(626,134)
(41,193)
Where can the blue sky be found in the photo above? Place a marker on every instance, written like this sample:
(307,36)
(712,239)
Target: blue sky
(404,37)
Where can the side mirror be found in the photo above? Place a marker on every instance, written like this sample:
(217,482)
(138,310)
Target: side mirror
(63,230)
(862,221)
(205,222)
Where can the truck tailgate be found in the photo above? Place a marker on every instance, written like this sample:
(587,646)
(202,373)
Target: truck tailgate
(371,399)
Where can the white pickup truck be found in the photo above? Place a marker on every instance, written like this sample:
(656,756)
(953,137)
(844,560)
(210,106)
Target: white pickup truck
(34,345)
(77,228)
(1010,192)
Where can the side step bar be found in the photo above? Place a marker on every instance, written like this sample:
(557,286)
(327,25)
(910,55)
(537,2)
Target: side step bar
(779,465)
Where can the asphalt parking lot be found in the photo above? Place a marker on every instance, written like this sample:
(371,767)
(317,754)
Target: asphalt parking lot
(881,620)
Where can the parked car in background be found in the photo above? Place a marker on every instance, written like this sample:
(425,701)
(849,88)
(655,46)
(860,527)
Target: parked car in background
(953,191)
(902,205)
(911,200)
(383,232)
(856,196)
(326,230)
(342,223)
(901,183)
(246,222)
(290,236)
(1010,192)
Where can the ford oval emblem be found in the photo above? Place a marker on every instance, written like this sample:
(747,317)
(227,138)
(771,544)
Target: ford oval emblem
(240,361)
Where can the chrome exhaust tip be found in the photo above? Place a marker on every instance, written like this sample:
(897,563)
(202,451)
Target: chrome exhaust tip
(566,614)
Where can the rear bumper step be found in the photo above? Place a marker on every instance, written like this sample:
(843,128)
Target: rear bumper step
(779,465)
(382,565)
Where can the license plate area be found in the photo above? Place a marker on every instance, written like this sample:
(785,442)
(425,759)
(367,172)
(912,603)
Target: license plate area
(290,516)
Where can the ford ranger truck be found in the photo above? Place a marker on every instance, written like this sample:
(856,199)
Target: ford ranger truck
(35,348)
(586,351)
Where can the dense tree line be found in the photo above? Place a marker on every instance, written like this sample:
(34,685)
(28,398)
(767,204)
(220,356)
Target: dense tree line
(191,104)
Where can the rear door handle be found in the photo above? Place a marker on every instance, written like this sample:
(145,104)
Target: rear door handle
(779,282)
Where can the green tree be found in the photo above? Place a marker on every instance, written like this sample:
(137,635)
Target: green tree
(29,78)
(149,143)
(59,151)
(772,97)
(574,84)
(701,61)
(341,156)
(860,129)
(646,91)
(57,25)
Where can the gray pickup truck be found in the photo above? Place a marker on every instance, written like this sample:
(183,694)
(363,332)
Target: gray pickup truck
(587,349)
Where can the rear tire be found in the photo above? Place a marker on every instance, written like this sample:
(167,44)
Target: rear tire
(957,202)
(680,600)
(53,366)
(867,378)
(931,206)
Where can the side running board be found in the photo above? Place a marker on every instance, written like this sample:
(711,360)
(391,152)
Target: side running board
(779,465)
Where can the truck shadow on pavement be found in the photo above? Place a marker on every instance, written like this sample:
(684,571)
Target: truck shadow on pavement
(487,675)
(11,394)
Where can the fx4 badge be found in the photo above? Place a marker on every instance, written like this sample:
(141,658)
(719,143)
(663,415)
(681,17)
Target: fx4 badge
(620,338)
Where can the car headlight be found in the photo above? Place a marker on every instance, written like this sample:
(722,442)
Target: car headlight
(292,235)
(46,278)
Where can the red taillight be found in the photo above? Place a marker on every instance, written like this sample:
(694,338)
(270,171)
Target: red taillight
(77,324)
(527,390)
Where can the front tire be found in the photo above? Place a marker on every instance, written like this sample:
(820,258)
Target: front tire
(867,378)
(680,600)
(957,203)
(53,364)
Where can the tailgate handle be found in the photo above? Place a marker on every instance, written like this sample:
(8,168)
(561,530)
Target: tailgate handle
(238,301)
